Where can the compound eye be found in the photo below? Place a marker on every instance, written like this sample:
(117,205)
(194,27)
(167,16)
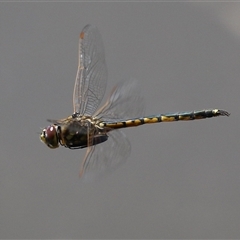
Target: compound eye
(49,136)
(50,132)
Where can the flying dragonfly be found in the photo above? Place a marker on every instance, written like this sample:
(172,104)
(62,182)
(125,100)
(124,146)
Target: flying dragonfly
(100,130)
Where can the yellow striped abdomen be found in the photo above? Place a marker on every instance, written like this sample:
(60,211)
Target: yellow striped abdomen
(169,117)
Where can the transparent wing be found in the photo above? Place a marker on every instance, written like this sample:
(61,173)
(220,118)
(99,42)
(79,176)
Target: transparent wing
(91,76)
(60,121)
(125,102)
(104,158)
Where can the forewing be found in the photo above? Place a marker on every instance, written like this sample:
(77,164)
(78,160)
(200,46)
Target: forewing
(60,121)
(125,102)
(104,158)
(91,76)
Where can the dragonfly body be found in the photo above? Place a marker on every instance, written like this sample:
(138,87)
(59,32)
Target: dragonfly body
(74,131)
(99,130)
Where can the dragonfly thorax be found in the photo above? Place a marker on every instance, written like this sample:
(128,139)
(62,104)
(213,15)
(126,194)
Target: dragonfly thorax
(80,132)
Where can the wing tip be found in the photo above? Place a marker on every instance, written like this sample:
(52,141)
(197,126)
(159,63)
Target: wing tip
(81,36)
(85,29)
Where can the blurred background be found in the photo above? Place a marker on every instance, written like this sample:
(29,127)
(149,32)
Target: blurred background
(181,180)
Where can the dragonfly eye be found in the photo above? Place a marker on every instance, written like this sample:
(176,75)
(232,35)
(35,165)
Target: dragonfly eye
(49,137)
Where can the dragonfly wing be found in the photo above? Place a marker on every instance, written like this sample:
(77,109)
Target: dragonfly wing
(91,76)
(106,157)
(57,122)
(125,102)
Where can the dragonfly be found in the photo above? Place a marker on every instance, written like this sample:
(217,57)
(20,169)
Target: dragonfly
(99,130)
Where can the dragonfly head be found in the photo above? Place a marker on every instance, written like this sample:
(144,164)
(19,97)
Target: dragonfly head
(49,136)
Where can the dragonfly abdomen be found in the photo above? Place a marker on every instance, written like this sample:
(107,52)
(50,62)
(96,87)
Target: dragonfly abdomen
(169,117)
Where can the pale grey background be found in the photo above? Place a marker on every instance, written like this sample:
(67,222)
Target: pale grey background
(182,179)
